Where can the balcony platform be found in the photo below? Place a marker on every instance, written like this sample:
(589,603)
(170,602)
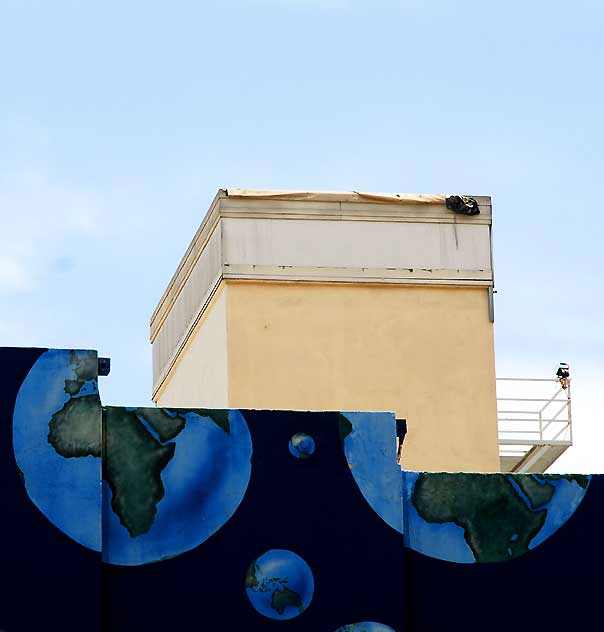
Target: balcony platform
(535,423)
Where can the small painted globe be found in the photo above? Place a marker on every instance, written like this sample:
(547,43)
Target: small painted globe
(302,445)
(365,626)
(279,584)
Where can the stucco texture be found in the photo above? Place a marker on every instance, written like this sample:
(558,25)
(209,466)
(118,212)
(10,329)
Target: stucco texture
(425,353)
(199,374)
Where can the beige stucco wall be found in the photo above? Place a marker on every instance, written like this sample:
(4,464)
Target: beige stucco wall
(425,353)
(199,377)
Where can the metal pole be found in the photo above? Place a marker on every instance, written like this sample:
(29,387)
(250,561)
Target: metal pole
(570,417)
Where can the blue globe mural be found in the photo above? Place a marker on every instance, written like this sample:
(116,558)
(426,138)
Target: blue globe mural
(279,584)
(369,441)
(66,490)
(302,445)
(172,477)
(206,474)
(469,518)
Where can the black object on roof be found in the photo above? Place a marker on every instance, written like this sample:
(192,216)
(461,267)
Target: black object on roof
(462,204)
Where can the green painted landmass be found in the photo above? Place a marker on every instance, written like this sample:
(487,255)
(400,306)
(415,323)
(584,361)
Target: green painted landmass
(166,426)
(75,430)
(219,416)
(73,387)
(539,489)
(133,458)
(86,367)
(261,585)
(251,577)
(133,463)
(497,523)
(170,421)
(538,494)
(345,427)
(284,597)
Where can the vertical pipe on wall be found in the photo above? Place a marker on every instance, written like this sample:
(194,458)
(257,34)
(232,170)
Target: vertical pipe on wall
(491,305)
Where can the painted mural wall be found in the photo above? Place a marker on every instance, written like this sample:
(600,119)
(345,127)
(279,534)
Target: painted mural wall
(122,518)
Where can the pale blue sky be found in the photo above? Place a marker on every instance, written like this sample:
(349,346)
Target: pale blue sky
(119,120)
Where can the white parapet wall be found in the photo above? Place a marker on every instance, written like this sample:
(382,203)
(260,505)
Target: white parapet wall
(323,237)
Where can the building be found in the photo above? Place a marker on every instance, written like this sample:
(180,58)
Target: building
(339,301)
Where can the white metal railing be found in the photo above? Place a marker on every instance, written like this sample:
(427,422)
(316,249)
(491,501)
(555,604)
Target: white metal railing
(532,412)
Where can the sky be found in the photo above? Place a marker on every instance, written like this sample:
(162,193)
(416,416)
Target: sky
(120,120)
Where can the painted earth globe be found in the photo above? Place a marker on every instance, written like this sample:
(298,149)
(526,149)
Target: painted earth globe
(366,626)
(302,445)
(171,477)
(279,584)
(477,518)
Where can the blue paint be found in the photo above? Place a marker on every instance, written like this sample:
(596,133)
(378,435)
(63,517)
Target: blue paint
(521,494)
(564,503)
(204,483)
(277,571)
(444,541)
(150,429)
(371,454)
(366,626)
(66,490)
(302,445)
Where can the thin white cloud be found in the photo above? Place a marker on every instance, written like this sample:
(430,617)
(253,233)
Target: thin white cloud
(13,275)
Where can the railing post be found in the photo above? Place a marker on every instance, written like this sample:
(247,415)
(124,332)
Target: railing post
(570,417)
(548,444)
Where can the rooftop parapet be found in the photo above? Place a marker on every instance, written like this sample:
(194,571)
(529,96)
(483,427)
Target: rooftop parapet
(341,237)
